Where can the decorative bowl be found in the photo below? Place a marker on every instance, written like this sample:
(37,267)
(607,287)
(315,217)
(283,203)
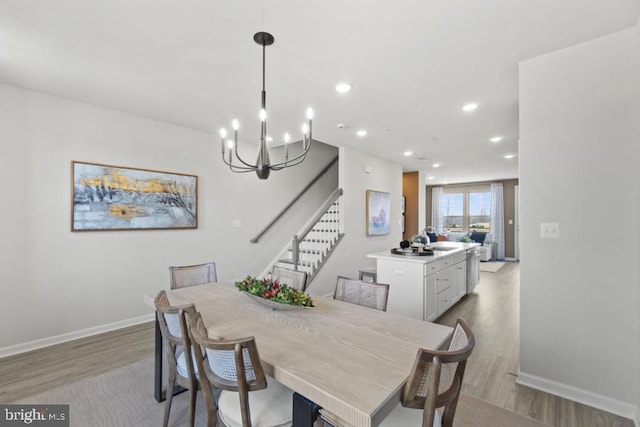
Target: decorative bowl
(274,305)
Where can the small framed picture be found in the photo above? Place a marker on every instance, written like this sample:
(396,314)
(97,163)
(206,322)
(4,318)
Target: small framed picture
(378,213)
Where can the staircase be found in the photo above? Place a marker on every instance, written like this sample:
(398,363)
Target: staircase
(312,246)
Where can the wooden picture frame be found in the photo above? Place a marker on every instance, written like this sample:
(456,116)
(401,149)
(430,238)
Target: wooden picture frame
(378,213)
(108,197)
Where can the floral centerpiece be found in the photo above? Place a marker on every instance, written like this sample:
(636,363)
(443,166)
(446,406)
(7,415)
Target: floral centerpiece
(274,291)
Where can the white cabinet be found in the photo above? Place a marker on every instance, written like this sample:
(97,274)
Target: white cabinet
(444,301)
(430,310)
(458,281)
(406,286)
(423,287)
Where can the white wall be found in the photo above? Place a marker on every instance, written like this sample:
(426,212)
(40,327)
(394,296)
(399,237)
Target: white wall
(579,150)
(57,282)
(637,419)
(350,254)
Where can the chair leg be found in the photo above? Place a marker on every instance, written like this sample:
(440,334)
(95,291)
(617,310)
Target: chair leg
(193,392)
(209,401)
(170,386)
(244,408)
(449,412)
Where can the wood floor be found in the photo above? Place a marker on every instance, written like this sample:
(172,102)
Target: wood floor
(41,370)
(492,311)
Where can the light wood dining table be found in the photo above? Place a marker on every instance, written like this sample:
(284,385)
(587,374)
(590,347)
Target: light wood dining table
(350,360)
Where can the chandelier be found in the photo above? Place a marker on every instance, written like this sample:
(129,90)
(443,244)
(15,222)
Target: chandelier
(263,166)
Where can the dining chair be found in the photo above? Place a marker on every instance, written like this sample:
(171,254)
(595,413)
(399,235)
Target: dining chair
(191,275)
(435,382)
(179,352)
(293,278)
(233,366)
(368,294)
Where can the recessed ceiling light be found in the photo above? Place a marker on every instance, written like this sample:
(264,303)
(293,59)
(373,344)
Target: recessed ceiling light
(470,107)
(343,87)
(430,177)
(509,156)
(269,139)
(408,153)
(361,132)
(436,165)
(496,139)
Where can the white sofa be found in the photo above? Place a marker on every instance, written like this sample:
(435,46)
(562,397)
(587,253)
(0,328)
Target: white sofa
(485,251)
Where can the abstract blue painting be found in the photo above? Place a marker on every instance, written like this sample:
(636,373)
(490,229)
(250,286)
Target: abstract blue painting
(106,197)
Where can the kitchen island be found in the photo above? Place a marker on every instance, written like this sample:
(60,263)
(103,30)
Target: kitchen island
(424,287)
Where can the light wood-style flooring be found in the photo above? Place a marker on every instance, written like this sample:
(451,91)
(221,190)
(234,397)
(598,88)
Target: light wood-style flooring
(492,312)
(41,370)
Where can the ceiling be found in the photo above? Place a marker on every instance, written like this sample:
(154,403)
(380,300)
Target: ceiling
(412,65)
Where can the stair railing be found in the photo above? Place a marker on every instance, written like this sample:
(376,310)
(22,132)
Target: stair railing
(295,243)
(258,236)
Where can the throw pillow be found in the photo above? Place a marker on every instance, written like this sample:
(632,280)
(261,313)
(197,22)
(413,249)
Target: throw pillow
(478,237)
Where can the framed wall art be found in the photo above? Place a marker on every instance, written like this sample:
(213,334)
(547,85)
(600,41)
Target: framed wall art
(378,218)
(107,197)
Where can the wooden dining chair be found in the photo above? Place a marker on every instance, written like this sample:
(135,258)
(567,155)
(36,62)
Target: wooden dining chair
(368,294)
(293,278)
(435,382)
(179,352)
(233,366)
(191,275)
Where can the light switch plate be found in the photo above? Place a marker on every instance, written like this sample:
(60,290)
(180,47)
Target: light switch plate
(236,223)
(550,230)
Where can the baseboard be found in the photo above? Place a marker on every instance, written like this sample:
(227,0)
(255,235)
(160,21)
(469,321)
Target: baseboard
(594,400)
(70,336)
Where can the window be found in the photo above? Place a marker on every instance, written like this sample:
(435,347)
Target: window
(453,211)
(480,212)
(466,211)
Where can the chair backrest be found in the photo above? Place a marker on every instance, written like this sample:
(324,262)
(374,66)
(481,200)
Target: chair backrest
(174,328)
(436,377)
(368,294)
(228,364)
(293,278)
(191,275)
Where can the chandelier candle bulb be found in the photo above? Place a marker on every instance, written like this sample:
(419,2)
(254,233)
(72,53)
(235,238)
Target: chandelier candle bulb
(286,146)
(223,135)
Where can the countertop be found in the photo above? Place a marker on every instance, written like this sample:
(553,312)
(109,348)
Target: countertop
(454,248)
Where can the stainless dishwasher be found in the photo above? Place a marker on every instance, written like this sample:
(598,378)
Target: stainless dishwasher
(473,268)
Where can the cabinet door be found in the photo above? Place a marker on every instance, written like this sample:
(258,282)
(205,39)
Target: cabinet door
(430,297)
(444,301)
(443,279)
(459,281)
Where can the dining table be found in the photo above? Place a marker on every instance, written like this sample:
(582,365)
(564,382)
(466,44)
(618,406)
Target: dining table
(350,360)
